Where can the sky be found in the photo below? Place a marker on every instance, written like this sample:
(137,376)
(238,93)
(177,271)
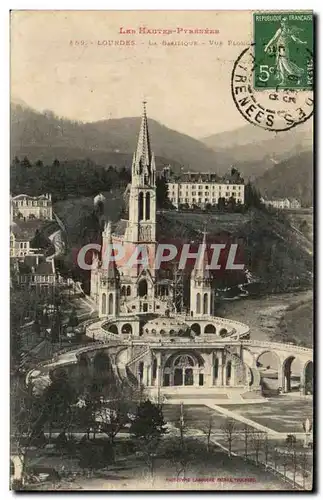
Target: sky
(187,88)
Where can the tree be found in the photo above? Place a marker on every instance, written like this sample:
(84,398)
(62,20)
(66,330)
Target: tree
(247,432)
(230,429)
(221,203)
(26,427)
(58,399)
(257,439)
(148,428)
(73,319)
(162,200)
(266,449)
(292,450)
(25,163)
(304,463)
(114,414)
(251,196)
(208,434)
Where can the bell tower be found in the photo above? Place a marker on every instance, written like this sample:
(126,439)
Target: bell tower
(109,286)
(141,229)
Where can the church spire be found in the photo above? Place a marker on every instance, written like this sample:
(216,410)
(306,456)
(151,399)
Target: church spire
(143,157)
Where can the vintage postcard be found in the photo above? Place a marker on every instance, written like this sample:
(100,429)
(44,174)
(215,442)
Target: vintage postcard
(161,250)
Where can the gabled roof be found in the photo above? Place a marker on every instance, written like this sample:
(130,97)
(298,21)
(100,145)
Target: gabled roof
(27,196)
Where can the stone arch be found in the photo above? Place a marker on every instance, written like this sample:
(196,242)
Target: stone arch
(263,360)
(126,329)
(110,305)
(147,206)
(196,328)
(196,356)
(141,206)
(209,328)
(205,303)
(223,332)
(198,303)
(287,373)
(142,288)
(113,329)
(104,303)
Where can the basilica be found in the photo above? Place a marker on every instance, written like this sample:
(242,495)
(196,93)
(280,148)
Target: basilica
(163,347)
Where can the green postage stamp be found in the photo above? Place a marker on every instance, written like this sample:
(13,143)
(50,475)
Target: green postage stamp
(283,50)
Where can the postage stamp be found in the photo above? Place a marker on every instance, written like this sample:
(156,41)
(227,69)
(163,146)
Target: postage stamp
(276,109)
(283,42)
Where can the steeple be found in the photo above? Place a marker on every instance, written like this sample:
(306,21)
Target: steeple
(143,160)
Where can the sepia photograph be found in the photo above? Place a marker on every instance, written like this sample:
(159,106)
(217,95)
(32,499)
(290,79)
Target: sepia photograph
(161,250)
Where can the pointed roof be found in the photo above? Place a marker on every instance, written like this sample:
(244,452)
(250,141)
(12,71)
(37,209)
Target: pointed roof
(143,156)
(200,269)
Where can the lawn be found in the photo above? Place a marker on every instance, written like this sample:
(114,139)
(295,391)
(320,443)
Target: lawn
(280,414)
(197,417)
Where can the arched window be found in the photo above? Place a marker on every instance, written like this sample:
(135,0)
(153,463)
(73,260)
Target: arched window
(128,290)
(223,332)
(196,328)
(104,303)
(126,329)
(209,329)
(123,290)
(198,303)
(110,303)
(147,206)
(205,303)
(142,288)
(141,206)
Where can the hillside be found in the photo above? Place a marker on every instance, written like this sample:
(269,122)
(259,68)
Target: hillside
(254,150)
(272,248)
(292,178)
(45,136)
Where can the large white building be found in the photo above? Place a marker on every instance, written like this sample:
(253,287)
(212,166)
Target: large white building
(31,207)
(283,203)
(202,189)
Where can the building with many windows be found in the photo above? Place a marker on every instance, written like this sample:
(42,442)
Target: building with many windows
(32,207)
(202,189)
(22,233)
(283,203)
